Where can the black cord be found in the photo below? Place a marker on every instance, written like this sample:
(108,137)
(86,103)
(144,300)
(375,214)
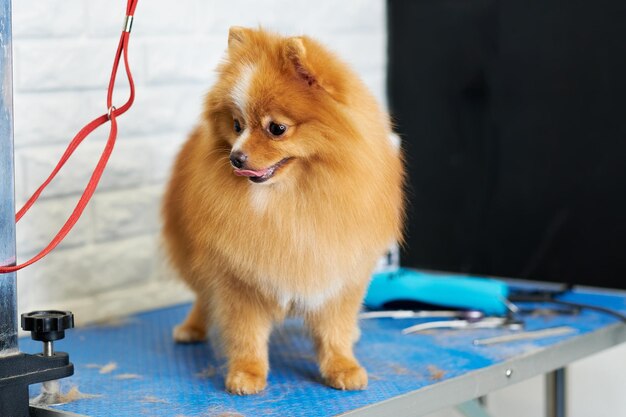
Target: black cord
(547,298)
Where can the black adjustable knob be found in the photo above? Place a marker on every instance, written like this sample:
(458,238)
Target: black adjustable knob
(47,326)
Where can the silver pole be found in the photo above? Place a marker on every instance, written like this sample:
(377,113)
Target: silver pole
(48,349)
(556,401)
(8,285)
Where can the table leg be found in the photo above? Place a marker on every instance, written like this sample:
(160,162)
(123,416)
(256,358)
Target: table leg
(472,408)
(555,393)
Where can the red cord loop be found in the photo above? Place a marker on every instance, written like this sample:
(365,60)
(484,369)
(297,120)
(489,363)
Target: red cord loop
(110,116)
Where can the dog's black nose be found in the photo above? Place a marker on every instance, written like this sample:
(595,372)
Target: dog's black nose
(238,159)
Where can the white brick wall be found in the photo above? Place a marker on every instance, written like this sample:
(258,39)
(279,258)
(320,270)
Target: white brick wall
(63,52)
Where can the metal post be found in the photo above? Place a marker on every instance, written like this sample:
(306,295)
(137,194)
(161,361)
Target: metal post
(472,408)
(17,370)
(8,284)
(555,394)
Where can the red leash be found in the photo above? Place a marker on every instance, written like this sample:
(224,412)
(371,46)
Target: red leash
(111,115)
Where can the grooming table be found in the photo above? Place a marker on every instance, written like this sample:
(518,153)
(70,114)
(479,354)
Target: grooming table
(137,370)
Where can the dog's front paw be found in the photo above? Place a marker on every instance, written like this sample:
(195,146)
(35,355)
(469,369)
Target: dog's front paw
(188,334)
(242,382)
(352,378)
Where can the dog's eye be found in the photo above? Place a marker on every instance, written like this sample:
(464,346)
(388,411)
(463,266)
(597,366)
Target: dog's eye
(237,126)
(276,129)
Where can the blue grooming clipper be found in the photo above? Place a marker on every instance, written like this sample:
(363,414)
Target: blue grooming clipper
(457,291)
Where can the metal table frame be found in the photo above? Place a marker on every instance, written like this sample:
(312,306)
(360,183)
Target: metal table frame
(463,391)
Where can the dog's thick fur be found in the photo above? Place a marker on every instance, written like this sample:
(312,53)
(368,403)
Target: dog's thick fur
(307,239)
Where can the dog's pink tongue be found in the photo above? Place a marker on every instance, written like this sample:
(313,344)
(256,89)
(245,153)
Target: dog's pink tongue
(250,173)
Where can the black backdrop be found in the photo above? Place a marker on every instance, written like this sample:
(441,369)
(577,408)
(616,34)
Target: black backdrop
(513,118)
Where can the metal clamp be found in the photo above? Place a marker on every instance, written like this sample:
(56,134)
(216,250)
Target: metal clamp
(128,23)
(111,110)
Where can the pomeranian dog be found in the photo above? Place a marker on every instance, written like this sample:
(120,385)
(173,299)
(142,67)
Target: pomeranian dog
(281,201)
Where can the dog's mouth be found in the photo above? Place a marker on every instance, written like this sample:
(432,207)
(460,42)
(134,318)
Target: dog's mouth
(262,175)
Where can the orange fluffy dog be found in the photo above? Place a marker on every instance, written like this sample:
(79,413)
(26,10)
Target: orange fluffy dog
(281,201)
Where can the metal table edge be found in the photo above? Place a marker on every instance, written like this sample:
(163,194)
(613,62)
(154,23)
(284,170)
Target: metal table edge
(482,381)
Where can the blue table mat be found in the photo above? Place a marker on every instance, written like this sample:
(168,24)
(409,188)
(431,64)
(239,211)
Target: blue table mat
(153,376)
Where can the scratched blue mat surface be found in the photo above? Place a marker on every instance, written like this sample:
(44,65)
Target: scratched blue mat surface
(136,370)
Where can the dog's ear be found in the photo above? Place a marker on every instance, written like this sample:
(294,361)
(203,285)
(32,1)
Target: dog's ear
(313,65)
(295,52)
(237,35)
